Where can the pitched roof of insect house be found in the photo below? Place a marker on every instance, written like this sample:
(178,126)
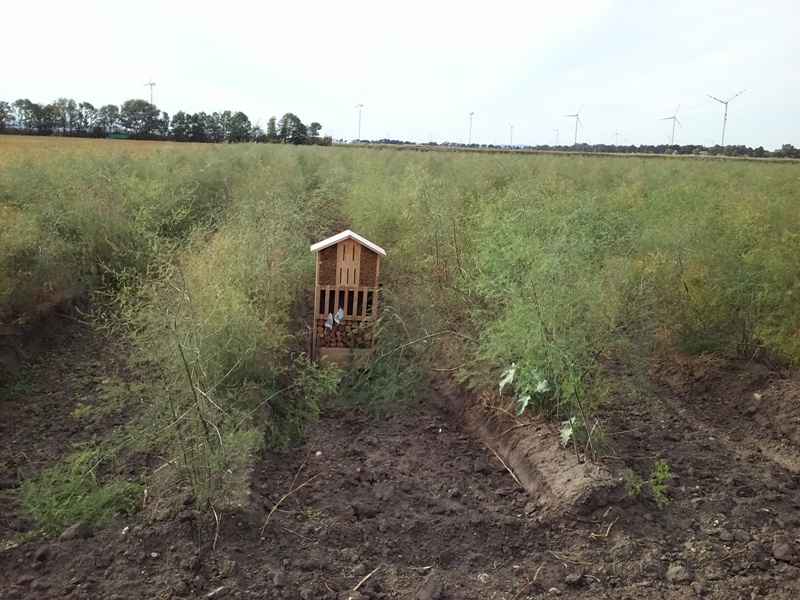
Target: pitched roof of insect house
(347,235)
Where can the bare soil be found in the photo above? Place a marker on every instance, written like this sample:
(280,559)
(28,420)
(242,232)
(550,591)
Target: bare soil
(420,506)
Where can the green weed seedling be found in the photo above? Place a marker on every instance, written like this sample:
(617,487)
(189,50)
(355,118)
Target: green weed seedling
(655,482)
(312,514)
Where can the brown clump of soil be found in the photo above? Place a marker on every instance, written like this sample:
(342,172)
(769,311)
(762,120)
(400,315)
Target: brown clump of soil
(415,506)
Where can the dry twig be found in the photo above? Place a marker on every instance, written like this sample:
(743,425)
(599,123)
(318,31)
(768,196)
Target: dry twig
(297,534)
(528,585)
(216,530)
(450,370)
(505,465)
(291,491)
(360,583)
(597,536)
(565,559)
(510,429)
(284,497)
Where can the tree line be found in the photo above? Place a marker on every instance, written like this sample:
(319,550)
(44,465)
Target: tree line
(785,151)
(139,119)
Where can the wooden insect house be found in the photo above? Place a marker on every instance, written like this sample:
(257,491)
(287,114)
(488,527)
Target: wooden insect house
(345,297)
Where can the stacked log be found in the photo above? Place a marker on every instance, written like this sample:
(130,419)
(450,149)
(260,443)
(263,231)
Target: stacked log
(348,334)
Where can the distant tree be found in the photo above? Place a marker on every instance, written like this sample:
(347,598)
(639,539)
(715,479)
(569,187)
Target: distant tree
(239,127)
(33,116)
(163,125)
(107,119)
(291,130)
(23,113)
(313,132)
(787,151)
(180,127)
(140,118)
(5,115)
(272,130)
(65,113)
(217,126)
(86,116)
(258,135)
(199,126)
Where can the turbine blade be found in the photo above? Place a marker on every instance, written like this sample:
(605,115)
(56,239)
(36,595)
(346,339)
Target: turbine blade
(717,99)
(678,122)
(742,92)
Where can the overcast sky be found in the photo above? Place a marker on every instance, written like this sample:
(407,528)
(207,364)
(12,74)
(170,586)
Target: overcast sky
(420,67)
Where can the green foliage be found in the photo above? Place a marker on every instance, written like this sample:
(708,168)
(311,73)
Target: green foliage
(298,404)
(530,386)
(586,440)
(570,264)
(71,491)
(395,375)
(215,316)
(655,483)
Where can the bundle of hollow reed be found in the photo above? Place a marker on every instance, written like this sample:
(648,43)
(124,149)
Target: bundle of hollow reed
(369,267)
(327,266)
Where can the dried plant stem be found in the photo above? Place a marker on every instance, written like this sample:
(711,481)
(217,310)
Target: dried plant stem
(504,464)
(528,585)
(284,497)
(360,583)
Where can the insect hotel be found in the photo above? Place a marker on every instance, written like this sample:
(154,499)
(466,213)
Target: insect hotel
(345,298)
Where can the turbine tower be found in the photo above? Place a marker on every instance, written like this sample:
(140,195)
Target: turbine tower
(577,116)
(556,130)
(151,83)
(674,119)
(511,135)
(359,106)
(725,118)
(469,140)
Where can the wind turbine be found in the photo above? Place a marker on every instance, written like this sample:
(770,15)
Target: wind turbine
(577,116)
(556,130)
(725,118)
(359,106)
(674,119)
(469,140)
(151,83)
(511,135)
(616,136)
